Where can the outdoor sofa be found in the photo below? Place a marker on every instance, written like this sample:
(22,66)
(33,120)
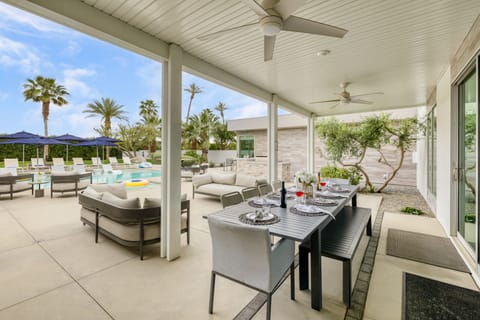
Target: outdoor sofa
(107,208)
(69,181)
(216,184)
(10,183)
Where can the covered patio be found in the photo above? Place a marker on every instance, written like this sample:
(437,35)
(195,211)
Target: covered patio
(415,53)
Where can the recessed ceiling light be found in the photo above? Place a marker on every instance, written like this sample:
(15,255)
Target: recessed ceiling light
(325,52)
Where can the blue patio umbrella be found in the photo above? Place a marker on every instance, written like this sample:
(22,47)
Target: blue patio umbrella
(69,137)
(20,135)
(103,138)
(36,141)
(96,143)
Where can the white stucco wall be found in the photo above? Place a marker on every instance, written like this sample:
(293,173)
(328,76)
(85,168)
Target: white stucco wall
(421,158)
(444,156)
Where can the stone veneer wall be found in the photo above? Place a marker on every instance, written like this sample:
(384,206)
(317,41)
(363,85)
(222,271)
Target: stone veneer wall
(292,148)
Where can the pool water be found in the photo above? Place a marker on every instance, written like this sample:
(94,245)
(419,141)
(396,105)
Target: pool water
(110,178)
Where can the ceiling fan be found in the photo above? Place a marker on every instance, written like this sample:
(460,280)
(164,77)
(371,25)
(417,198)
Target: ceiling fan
(345,97)
(275,16)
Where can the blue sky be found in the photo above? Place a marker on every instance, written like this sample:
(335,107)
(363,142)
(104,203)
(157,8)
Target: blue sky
(89,69)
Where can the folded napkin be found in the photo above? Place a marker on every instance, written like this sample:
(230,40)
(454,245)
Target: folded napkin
(330,194)
(312,209)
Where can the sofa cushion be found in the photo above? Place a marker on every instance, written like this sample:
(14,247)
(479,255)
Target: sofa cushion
(201,179)
(5,173)
(130,232)
(87,214)
(117,189)
(244,180)
(133,203)
(70,186)
(216,189)
(223,178)
(157,202)
(261,181)
(92,193)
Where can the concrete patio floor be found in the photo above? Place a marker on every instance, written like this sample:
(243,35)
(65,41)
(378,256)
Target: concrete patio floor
(51,268)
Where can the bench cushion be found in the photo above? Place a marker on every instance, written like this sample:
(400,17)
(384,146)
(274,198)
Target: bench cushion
(117,189)
(133,203)
(70,186)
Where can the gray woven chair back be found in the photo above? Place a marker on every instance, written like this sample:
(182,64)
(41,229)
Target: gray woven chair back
(231,199)
(265,189)
(277,185)
(250,192)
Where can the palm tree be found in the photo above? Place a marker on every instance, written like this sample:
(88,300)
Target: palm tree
(193,89)
(107,109)
(221,108)
(151,123)
(46,91)
(206,121)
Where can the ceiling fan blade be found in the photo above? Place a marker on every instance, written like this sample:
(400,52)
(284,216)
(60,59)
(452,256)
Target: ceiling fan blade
(256,7)
(287,7)
(268,47)
(365,94)
(323,101)
(297,24)
(359,101)
(217,34)
(336,104)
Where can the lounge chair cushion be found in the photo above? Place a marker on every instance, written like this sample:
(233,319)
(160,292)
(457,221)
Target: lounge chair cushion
(218,189)
(222,178)
(92,193)
(133,203)
(116,189)
(245,181)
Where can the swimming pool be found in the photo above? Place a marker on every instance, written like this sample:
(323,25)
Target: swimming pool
(109,178)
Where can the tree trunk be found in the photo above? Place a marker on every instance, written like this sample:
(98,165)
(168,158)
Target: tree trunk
(395,171)
(189,106)
(108,128)
(45,114)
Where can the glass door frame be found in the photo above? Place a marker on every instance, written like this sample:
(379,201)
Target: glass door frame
(474,65)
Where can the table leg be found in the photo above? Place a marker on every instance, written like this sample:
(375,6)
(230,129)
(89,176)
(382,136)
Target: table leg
(316,269)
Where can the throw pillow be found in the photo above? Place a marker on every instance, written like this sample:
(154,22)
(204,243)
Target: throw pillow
(245,180)
(133,203)
(224,178)
(117,189)
(92,193)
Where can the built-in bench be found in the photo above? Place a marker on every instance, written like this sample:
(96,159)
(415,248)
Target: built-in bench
(69,181)
(340,240)
(10,184)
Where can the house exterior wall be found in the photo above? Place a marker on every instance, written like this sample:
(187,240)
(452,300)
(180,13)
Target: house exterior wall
(292,148)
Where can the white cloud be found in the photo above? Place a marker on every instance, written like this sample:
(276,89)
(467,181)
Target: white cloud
(16,54)
(151,75)
(78,88)
(9,15)
(72,48)
(249,111)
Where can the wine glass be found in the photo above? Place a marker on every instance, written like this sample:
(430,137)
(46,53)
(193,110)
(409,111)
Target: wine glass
(299,195)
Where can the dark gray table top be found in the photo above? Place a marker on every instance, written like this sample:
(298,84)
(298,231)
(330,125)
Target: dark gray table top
(291,226)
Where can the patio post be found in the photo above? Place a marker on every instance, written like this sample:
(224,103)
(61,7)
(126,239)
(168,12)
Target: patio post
(171,153)
(272,143)
(311,143)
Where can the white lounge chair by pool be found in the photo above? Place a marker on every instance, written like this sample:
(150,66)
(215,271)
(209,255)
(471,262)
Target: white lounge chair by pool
(107,168)
(77,161)
(96,162)
(128,162)
(58,168)
(38,163)
(80,168)
(11,163)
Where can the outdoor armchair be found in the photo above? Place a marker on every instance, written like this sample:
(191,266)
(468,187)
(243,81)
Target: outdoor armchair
(244,254)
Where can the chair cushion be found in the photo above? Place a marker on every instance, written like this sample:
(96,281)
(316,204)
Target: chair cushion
(20,186)
(117,189)
(133,203)
(201,179)
(223,178)
(70,186)
(92,193)
(245,180)
(218,189)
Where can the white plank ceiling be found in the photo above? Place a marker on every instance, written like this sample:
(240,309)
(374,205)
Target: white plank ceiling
(399,47)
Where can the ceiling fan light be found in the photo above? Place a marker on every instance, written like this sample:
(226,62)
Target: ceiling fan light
(271,28)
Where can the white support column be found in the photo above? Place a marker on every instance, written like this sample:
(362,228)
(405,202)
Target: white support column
(272,143)
(311,144)
(171,153)
(165,169)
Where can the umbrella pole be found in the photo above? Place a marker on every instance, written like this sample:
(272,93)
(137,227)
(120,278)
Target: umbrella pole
(67,152)
(23,156)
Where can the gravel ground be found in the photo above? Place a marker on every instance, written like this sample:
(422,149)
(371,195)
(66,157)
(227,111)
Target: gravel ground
(398,197)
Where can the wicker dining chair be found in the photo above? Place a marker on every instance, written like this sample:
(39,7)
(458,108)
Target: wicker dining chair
(250,192)
(231,199)
(265,189)
(277,185)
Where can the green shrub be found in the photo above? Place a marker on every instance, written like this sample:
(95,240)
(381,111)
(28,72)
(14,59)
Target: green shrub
(414,211)
(211,164)
(352,174)
(470,218)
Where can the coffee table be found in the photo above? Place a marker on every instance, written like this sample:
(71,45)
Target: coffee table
(38,192)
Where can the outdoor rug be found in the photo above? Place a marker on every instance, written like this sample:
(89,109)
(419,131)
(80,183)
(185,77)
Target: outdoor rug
(437,251)
(425,299)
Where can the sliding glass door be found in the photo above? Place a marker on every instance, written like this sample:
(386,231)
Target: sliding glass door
(467,158)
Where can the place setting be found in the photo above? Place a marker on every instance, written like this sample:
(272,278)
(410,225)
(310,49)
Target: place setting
(259,217)
(309,210)
(262,202)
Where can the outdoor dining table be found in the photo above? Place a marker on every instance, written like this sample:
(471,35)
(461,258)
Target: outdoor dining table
(299,228)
